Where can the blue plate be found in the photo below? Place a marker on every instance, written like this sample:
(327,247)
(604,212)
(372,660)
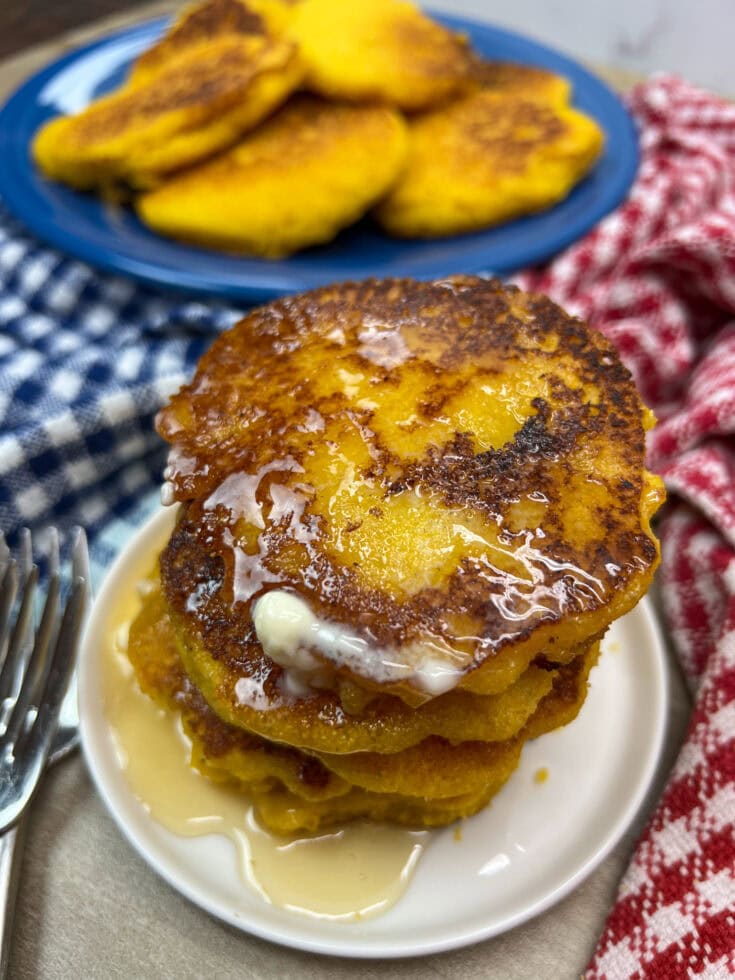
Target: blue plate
(112,238)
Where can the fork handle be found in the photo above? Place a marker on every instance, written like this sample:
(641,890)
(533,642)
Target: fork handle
(11,849)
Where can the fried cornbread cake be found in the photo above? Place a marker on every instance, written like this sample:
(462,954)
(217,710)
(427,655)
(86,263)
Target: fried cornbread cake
(429,785)
(201,102)
(485,159)
(200,24)
(383,51)
(407,513)
(312,169)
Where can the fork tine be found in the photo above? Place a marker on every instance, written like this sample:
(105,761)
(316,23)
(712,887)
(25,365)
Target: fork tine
(80,557)
(53,552)
(38,665)
(8,591)
(69,714)
(25,566)
(25,570)
(26,552)
(15,658)
(62,664)
(53,569)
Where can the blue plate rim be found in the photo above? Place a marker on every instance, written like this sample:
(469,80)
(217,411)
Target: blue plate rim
(269,282)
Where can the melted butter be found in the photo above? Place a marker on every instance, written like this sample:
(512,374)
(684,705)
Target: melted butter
(288,630)
(357,871)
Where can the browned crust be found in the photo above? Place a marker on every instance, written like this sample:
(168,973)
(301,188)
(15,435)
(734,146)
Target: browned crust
(510,76)
(202,23)
(206,84)
(510,133)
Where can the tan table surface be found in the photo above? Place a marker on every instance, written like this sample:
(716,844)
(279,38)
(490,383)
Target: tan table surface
(91,909)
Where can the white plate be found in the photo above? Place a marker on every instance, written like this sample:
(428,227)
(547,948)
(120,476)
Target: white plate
(529,849)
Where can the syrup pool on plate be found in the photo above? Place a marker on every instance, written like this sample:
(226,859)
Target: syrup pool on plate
(353,872)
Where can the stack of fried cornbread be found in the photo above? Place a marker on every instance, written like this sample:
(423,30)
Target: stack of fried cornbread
(407,512)
(266,126)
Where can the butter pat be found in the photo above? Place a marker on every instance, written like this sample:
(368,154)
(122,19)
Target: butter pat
(285,626)
(290,634)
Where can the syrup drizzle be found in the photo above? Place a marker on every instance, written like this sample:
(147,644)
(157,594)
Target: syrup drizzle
(357,871)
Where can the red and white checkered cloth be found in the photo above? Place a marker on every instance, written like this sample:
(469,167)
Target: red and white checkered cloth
(658,277)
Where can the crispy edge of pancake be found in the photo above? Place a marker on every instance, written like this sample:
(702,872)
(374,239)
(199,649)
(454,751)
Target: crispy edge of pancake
(282,813)
(199,105)
(510,78)
(198,24)
(436,769)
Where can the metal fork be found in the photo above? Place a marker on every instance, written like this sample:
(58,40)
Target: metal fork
(28,660)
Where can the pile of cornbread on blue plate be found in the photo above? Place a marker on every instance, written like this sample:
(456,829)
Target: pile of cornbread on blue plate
(263,127)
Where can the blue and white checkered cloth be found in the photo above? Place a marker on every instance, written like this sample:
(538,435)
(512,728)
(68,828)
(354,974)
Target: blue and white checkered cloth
(86,360)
